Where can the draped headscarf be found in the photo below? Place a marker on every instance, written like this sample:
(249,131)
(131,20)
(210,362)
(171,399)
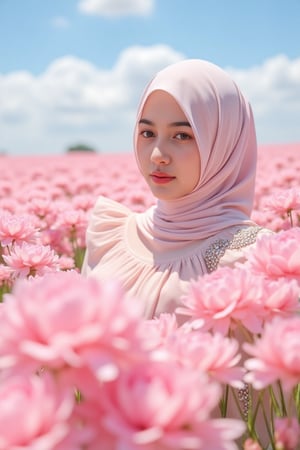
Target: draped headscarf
(222,122)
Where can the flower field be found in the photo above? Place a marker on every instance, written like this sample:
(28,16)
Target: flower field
(91,374)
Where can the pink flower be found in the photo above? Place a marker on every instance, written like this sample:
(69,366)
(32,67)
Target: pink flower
(64,319)
(8,205)
(156,331)
(83,202)
(66,262)
(281,298)
(31,259)
(73,225)
(5,273)
(17,229)
(277,255)
(285,201)
(74,219)
(34,413)
(41,207)
(287,433)
(57,241)
(276,355)
(250,444)
(87,417)
(160,405)
(215,355)
(225,298)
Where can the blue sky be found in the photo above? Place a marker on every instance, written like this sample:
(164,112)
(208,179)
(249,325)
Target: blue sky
(72,71)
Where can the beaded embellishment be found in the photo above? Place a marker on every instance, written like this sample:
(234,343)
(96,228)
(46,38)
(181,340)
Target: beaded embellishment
(217,249)
(244,398)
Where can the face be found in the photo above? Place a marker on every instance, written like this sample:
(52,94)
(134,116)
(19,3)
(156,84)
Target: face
(166,148)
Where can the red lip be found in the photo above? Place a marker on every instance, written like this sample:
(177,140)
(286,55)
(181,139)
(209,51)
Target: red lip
(161,177)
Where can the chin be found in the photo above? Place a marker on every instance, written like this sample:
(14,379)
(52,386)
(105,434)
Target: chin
(165,198)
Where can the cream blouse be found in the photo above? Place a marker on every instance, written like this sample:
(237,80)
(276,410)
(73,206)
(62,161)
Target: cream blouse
(116,251)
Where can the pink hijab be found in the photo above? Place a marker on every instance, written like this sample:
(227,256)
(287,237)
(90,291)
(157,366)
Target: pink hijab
(223,126)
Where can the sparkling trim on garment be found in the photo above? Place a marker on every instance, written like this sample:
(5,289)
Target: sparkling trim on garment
(244,398)
(217,249)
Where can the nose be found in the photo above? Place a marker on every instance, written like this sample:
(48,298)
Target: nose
(158,156)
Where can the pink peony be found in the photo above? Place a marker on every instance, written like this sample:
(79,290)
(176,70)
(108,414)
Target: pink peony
(287,433)
(225,298)
(284,201)
(276,355)
(84,202)
(87,417)
(281,298)
(34,413)
(31,259)
(277,255)
(41,209)
(74,219)
(17,229)
(154,332)
(66,263)
(64,319)
(161,405)
(215,355)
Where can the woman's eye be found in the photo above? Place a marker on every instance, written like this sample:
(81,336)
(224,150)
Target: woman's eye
(183,136)
(147,134)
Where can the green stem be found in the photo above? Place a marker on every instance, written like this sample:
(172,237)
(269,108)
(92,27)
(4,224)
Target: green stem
(5,288)
(282,399)
(224,402)
(78,252)
(290,216)
(269,429)
(297,400)
(274,403)
(79,257)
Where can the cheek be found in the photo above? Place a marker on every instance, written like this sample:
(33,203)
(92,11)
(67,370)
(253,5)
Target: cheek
(141,158)
(193,168)
(196,178)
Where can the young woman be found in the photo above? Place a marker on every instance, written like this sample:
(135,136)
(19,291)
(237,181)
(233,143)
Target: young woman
(195,145)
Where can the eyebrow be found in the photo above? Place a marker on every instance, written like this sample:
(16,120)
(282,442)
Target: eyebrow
(173,124)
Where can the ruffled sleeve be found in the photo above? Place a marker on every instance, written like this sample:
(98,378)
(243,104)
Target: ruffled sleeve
(105,229)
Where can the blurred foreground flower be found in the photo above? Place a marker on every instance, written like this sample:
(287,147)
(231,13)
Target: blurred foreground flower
(75,348)
(34,413)
(62,320)
(287,433)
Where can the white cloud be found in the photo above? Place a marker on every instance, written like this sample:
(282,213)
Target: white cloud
(75,101)
(273,89)
(116,7)
(60,22)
